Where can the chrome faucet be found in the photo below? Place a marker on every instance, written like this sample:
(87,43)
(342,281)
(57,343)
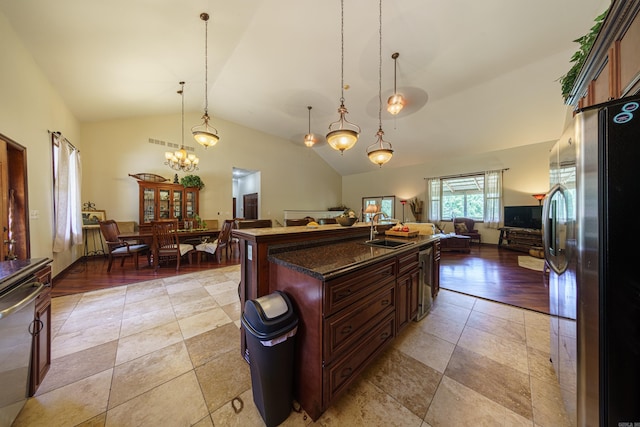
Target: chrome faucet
(374,230)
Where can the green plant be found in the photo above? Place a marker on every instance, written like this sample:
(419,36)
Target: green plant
(586,42)
(192,181)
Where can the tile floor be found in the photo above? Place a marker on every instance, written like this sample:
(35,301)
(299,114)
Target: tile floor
(166,352)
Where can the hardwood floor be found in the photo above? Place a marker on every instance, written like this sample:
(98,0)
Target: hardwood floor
(487,272)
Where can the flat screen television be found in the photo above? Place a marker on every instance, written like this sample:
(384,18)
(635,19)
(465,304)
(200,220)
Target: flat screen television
(523,217)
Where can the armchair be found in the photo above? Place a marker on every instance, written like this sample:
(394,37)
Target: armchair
(119,248)
(465,227)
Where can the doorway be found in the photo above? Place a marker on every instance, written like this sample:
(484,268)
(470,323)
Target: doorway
(246,193)
(14,205)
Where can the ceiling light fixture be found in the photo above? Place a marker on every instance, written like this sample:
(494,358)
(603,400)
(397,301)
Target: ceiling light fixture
(309,139)
(396,102)
(380,152)
(343,134)
(179,160)
(206,135)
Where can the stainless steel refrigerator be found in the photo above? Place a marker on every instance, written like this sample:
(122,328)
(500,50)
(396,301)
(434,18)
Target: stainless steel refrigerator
(594,281)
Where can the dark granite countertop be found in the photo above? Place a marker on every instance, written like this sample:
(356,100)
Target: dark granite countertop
(328,259)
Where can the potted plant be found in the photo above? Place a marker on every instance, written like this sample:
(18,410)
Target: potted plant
(192,181)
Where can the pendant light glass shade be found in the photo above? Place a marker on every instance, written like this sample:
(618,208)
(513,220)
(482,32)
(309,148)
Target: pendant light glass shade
(343,134)
(309,138)
(205,134)
(380,152)
(396,102)
(179,160)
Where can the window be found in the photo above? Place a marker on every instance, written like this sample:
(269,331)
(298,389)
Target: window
(477,196)
(385,203)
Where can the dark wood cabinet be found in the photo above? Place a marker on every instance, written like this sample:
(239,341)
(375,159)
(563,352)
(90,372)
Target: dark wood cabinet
(41,349)
(520,239)
(166,201)
(407,288)
(612,69)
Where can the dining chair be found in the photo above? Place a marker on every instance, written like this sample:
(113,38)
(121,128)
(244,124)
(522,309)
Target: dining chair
(222,242)
(119,248)
(166,244)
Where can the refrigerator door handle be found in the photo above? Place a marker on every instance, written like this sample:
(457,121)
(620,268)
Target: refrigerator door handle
(554,228)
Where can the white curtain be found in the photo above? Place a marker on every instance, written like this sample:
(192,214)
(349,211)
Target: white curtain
(492,198)
(433,200)
(67,176)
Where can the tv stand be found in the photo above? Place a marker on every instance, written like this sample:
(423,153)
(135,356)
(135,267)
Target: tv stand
(520,239)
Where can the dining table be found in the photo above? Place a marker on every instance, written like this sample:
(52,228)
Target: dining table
(197,234)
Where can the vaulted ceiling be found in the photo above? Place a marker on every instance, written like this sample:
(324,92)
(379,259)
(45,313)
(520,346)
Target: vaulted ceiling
(478,75)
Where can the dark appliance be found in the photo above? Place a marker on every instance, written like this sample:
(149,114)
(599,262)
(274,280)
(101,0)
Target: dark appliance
(523,217)
(19,289)
(425,261)
(592,266)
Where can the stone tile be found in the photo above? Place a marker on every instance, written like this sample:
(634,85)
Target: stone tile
(410,382)
(73,367)
(507,312)
(203,322)
(455,298)
(137,376)
(249,415)
(64,344)
(78,321)
(501,350)
(548,404)
(538,338)
(540,366)
(533,319)
(68,405)
(424,347)
(233,310)
(497,326)
(449,311)
(444,326)
(223,378)
(211,344)
(148,320)
(149,305)
(145,290)
(188,295)
(193,306)
(364,404)
(136,345)
(500,383)
(457,405)
(176,402)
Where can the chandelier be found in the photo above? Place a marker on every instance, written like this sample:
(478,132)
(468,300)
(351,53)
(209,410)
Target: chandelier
(206,135)
(179,160)
(380,152)
(396,102)
(309,138)
(343,134)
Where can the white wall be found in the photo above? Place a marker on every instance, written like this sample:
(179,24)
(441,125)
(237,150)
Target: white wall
(528,174)
(29,107)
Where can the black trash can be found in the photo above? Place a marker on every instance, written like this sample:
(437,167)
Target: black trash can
(270,325)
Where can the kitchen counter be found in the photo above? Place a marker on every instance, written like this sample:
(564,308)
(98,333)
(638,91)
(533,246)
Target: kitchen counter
(329,259)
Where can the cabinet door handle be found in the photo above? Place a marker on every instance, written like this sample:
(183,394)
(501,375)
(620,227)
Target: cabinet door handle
(384,336)
(384,302)
(347,330)
(346,372)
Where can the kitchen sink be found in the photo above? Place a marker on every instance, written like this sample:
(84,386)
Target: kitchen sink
(389,244)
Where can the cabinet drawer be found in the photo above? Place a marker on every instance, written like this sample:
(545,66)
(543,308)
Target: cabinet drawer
(408,262)
(347,290)
(348,326)
(338,376)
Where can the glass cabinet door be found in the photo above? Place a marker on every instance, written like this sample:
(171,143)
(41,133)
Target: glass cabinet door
(177,204)
(149,204)
(164,203)
(190,204)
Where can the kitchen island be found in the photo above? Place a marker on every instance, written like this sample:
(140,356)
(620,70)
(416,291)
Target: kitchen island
(352,299)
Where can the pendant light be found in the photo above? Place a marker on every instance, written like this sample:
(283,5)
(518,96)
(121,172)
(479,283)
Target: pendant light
(396,102)
(380,152)
(343,134)
(179,160)
(206,135)
(309,138)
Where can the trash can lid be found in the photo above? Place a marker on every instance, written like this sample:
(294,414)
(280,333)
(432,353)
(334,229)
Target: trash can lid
(269,316)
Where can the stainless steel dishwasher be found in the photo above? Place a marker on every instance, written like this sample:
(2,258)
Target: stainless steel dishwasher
(426,276)
(19,289)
